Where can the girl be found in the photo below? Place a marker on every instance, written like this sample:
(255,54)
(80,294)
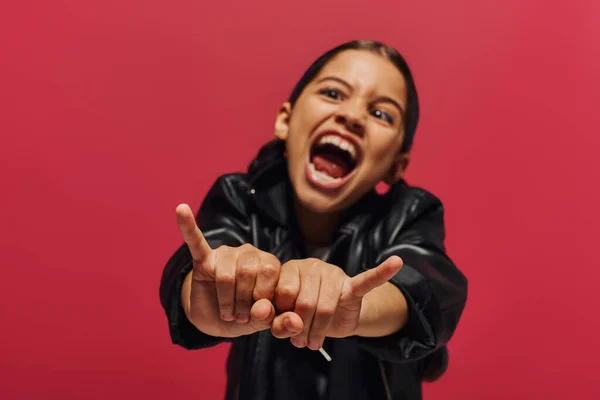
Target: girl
(301,253)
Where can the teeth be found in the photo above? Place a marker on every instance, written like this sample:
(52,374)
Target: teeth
(320,175)
(341,143)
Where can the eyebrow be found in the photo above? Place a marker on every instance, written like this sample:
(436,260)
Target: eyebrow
(384,99)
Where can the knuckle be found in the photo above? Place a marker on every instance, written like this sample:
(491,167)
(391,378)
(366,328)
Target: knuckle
(194,242)
(248,259)
(290,264)
(304,305)
(269,258)
(244,286)
(223,248)
(338,273)
(285,291)
(225,279)
(324,312)
(313,264)
(245,272)
(270,271)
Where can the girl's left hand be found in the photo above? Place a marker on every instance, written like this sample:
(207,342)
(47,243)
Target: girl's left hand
(327,300)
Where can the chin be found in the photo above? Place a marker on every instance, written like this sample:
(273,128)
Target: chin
(316,202)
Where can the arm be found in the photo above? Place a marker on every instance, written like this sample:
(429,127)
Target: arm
(433,289)
(223,220)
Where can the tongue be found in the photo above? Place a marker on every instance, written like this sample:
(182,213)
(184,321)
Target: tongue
(331,165)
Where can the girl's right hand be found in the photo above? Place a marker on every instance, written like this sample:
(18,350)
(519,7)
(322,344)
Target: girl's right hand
(230,290)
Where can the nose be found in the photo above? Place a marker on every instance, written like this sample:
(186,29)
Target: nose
(352,119)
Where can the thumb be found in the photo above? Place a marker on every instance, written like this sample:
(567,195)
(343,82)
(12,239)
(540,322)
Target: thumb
(287,325)
(366,281)
(261,315)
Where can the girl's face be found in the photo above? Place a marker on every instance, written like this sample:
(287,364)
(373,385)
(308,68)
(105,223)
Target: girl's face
(344,134)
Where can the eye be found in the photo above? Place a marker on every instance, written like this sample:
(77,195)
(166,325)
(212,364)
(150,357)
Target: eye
(331,93)
(383,115)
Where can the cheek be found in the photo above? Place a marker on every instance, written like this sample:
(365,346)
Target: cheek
(308,114)
(296,148)
(383,147)
(306,119)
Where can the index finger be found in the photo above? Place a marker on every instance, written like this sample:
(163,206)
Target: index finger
(192,235)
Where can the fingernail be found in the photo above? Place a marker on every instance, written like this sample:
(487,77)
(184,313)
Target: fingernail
(227,317)
(242,318)
(298,342)
(288,325)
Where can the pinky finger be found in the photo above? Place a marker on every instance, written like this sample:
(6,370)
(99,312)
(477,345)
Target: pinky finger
(363,283)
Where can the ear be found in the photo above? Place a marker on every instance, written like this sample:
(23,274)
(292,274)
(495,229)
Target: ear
(397,169)
(282,122)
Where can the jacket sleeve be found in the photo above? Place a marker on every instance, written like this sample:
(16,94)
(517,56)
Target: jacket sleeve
(434,288)
(223,220)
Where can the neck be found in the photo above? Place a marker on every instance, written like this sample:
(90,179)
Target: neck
(317,228)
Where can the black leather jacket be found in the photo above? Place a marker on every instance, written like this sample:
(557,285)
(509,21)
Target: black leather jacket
(255,208)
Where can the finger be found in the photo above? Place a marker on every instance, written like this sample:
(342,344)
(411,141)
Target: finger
(192,235)
(225,281)
(247,267)
(306,305)
(288,287)
(329,297)
(267,277)
(363,283)
(261,315)
(287,325)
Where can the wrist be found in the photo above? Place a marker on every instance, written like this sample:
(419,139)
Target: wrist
(383,312)
(366,312)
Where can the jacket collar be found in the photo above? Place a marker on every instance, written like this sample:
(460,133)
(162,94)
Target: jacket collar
(272,193)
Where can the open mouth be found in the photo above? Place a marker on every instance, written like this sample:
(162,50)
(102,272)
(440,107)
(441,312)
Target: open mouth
(332,160)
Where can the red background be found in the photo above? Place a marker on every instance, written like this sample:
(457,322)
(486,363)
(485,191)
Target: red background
(113,112)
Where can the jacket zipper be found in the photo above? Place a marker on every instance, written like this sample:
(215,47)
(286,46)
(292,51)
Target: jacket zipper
(388,392)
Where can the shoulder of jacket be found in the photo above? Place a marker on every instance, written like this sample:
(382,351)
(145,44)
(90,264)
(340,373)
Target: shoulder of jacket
(229,191)
(232,182)
(405,206)
(414,199)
